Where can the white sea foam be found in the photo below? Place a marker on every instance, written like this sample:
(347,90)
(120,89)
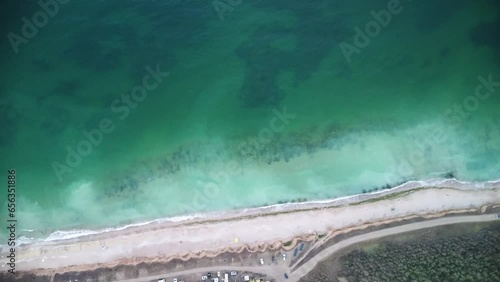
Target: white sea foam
(70,234)
(439,182)
(22,240)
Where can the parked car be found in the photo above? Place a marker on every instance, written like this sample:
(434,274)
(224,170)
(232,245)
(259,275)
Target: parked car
(175,279)
(498,215)
(272,259)
(209,275)
(261,261)
(218,273)
(286,276)
(295,252)
(301,247)
(283,256)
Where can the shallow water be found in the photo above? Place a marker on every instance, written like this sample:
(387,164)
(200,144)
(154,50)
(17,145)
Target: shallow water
(213,135)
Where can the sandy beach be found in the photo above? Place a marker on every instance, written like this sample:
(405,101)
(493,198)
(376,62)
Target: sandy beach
(147,140)
(254,229)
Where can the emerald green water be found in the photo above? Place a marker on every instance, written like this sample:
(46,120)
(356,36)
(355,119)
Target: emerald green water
(368,122)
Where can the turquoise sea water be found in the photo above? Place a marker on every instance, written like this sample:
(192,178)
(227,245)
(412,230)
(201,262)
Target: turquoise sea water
(260,104)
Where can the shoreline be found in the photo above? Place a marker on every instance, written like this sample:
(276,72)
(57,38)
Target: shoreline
(65,235)
(271,228)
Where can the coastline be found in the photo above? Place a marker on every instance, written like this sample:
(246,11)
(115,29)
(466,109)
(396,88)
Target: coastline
(61,235)
(256,229)
(143,139)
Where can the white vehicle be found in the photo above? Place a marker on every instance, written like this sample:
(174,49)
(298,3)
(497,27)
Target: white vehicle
(261,261)
(283,256)
(175,279)
(204,278)
(218,273)
(161,280)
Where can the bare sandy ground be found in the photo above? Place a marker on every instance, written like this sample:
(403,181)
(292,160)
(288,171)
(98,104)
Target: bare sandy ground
(256,229)
(277,270)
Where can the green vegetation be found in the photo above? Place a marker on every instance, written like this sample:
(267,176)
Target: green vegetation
(445,254)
